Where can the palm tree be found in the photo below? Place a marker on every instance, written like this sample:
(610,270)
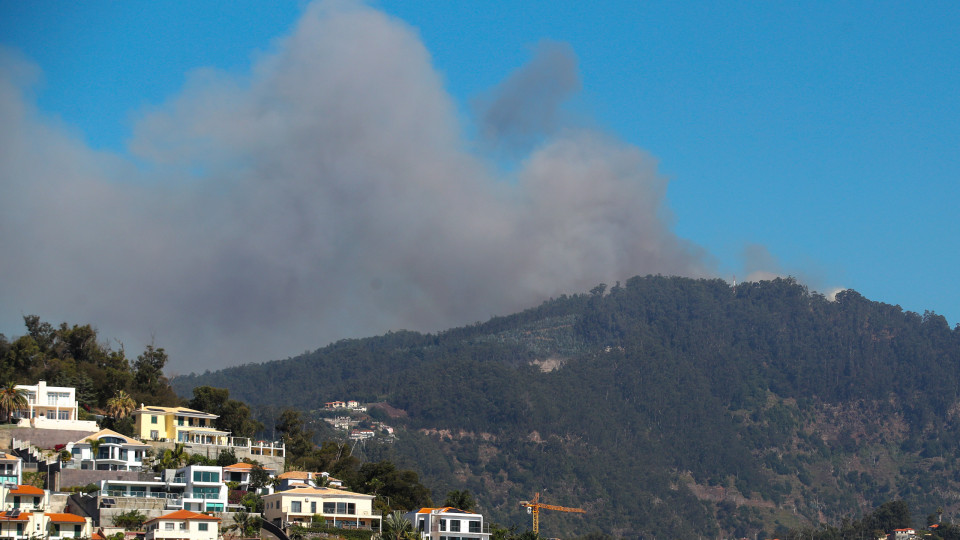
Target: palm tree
(244,524)
(174,458)
(12,399)
(121,405)
(397,527)
(94,447)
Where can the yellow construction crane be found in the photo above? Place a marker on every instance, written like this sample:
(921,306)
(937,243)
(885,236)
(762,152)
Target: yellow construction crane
(534,506)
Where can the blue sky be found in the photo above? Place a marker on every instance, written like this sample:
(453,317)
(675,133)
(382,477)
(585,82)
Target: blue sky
(818,140)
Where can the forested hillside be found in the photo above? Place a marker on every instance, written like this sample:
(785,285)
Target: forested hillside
(667,406)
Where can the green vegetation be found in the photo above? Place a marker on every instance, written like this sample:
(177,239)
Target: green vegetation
(666,406)
(131,520)
(75,356)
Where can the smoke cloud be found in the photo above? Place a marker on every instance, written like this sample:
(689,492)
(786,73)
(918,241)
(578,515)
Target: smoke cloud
(330,193)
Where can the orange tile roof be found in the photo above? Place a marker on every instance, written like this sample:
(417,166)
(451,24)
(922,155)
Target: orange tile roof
(244,466)
(443,509)
(295,475)
(24,489)
(97,536)
(183,515)
(4,516)
(64,518)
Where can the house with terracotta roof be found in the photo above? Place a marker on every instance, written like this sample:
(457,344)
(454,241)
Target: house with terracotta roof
(49,525)
(240,473)
(447,522)
(903,534)
(115,452)
(23,497)
(183,525)
(67,526)
(11,469)
(340,508)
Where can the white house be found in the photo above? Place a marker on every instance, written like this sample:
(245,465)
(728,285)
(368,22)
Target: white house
(23,497)
(447,523)
(115,452)
(47,525)
(340,508)
(183,525)
(51,407)
(11,469)
(198,488)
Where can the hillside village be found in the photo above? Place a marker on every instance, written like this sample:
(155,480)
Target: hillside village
(64,477)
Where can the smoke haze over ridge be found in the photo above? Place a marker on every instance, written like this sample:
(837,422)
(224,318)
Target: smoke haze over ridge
(330,193)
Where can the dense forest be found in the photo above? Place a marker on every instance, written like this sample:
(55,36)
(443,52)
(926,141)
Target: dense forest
(663,406)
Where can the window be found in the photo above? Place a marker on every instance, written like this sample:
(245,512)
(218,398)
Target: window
(313,507)
(443,525)
(56,530)
(329,508)
(202,526)
(19,529)
(454,525)
(153,419)
(168,526)
(154,434)
(295,506)
(63,415)
(474,526)
(206,476)
(420,525)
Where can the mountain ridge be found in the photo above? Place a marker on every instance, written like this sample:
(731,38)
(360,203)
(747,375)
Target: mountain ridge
(662,393)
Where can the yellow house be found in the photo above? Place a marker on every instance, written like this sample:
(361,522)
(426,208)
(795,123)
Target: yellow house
(177,424)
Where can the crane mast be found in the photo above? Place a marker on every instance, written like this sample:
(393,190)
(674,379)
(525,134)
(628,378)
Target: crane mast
(534,506)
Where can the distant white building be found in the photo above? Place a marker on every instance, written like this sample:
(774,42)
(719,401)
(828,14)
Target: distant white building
(447,522)
(51,407)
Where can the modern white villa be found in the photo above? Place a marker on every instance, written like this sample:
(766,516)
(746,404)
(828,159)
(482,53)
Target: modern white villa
(447,523)
(51,407)
(114,452)
(198,488)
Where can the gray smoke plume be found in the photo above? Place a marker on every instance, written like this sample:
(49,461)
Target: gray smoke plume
(525,108)
(330,193)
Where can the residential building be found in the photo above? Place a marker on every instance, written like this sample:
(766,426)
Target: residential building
(449,523)
(199,488)
(66,526)
(361,434)
(11,469)
(115,452)
(23,497)
(903,534)
(183,525)
(178,424)
(51,407)
(240,473)
(18,524)
(340,508)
